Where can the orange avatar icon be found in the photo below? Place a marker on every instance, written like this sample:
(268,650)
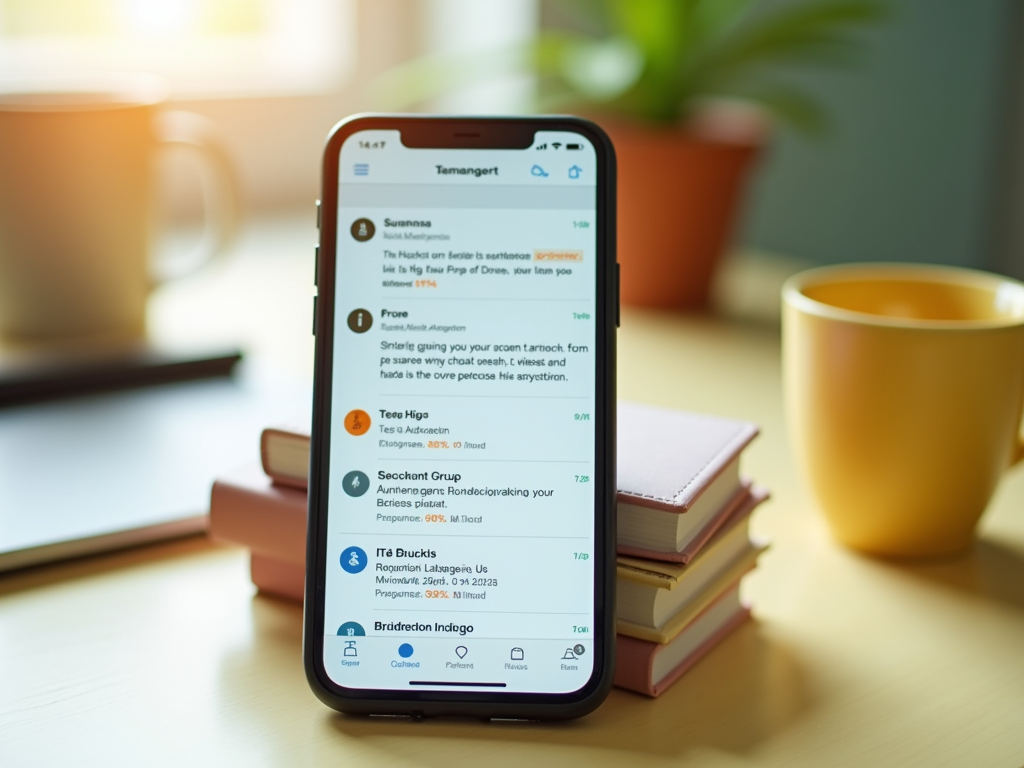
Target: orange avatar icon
(357,422)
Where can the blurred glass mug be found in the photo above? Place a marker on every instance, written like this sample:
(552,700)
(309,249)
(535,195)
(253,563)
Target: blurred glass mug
(77,198)
(904,392)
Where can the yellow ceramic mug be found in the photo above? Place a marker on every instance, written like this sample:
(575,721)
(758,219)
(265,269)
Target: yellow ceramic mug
(904,392)
(77,198)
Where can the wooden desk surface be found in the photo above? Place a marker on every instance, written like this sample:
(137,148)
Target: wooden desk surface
(164,655)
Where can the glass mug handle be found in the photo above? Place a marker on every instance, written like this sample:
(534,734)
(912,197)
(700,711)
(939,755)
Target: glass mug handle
(197,134)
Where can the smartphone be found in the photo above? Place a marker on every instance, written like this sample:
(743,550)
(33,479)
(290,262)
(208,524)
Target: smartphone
(462,483)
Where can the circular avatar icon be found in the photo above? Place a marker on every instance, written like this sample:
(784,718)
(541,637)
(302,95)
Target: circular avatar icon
(351,629)
(362,230)
(353,560)
(355,483)
(359,320)
(405,650)
(357,422)
(578,649)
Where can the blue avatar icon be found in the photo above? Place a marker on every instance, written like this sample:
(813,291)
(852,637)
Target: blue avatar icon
(405,650)
(353,560)
(351,629)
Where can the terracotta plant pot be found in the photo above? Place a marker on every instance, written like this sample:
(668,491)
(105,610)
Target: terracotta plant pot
(679,190)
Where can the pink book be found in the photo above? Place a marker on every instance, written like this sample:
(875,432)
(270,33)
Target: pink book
(741,505)
(277,577)
(651,668)
(678,476)
(284,452)
(247,508)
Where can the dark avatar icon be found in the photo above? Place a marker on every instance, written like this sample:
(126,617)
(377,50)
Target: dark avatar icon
(360,320)
(362,230)
(355,483)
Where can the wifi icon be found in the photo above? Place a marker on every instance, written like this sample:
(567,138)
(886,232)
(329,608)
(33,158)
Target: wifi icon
(556,144)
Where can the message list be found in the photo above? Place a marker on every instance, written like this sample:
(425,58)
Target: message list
(461,514)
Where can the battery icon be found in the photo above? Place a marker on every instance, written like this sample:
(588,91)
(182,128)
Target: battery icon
(574,146)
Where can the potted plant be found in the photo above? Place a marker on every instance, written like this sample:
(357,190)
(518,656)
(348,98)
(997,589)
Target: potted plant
(686,89)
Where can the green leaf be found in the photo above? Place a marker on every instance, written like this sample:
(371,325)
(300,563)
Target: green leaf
(790,106)
(810,33)
(713,18)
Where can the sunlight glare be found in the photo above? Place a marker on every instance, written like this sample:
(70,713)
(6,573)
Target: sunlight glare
(158,18)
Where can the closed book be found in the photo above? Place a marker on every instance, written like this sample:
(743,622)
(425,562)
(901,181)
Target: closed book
(651,594)
(284,452)
(247,508)
(277,577)
(650,668)
(692,608)
(678,476)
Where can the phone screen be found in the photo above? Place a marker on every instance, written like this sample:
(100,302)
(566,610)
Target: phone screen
(461,512)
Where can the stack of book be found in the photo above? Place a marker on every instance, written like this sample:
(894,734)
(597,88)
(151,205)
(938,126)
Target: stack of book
(683,538)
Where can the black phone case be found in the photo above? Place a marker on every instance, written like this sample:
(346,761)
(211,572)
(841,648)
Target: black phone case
(468,132)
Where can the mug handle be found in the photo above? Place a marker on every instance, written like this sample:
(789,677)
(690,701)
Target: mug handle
(195,133)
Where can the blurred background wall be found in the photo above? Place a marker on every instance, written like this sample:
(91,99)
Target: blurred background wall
(922,162)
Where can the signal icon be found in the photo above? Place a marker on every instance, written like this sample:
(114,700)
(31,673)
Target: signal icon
(542,146)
